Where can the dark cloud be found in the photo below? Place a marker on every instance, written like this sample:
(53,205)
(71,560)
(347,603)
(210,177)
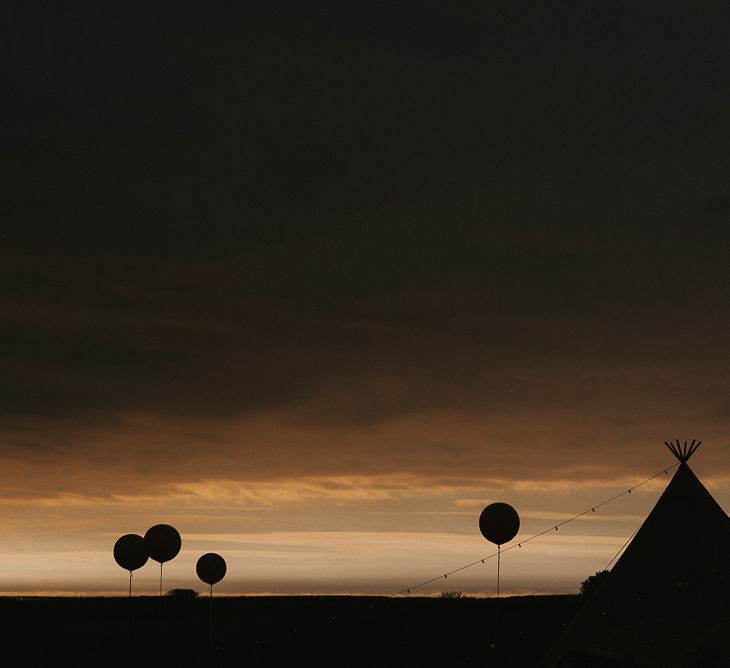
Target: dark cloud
(349,217)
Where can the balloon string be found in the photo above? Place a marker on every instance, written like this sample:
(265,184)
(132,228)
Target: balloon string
(160,578)
(496,613)
(499,556)
(212,643)
(129,617)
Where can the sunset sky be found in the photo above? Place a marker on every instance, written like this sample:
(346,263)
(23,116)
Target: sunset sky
(316,285)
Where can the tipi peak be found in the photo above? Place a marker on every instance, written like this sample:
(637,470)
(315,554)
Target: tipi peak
(683,451)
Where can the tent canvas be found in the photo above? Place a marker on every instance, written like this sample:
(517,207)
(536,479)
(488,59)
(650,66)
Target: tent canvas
(667,600)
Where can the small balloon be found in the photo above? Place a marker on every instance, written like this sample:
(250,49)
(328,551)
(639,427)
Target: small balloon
(163,542)
(499,523)
(211,568)
(130,552)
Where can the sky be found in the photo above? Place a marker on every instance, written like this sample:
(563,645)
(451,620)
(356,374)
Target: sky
(316,284)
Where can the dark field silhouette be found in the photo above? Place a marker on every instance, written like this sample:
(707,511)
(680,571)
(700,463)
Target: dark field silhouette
(281,631)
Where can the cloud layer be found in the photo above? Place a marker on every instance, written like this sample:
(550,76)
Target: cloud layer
(318,253)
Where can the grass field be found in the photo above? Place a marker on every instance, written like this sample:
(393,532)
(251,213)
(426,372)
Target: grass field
(281,631)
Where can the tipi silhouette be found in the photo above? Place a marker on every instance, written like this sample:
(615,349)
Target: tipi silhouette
(668,596)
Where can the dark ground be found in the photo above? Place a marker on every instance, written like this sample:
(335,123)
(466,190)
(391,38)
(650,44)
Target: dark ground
(280,631)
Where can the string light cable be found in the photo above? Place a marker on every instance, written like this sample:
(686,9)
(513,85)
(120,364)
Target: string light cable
(554,527)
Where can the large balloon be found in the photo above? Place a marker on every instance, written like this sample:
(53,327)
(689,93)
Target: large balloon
(163,542)
(130,552)
(499,523)
(211,568)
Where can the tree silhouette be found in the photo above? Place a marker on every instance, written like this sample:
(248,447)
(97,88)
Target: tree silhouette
(183,593)
(590,584)
(452,594)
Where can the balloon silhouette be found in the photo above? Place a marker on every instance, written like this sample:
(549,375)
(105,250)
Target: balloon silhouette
(130,552)
(499,523)
(211,568)
(163,542)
